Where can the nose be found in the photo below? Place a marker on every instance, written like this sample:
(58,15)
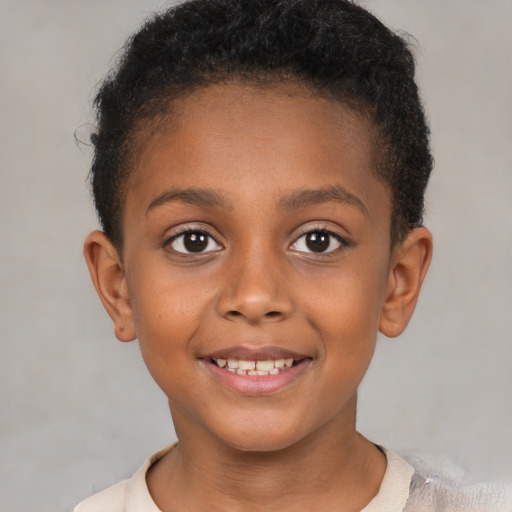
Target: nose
(255,291)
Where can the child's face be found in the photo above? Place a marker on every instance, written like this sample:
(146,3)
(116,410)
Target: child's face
(254,229)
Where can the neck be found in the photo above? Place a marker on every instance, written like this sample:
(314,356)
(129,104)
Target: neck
(332,469)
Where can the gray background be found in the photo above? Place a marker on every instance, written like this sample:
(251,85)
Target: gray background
(79,411)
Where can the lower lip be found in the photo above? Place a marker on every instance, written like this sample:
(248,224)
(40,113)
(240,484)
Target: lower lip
(256,384)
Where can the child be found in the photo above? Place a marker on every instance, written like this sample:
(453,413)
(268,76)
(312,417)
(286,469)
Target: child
(259,173)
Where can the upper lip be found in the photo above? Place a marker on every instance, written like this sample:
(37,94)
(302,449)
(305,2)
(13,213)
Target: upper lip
(255,353)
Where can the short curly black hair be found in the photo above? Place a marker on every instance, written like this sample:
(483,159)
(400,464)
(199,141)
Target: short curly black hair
(333,47)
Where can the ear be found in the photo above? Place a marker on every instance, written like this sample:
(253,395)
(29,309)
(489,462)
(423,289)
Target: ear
(107,274)
(409,264)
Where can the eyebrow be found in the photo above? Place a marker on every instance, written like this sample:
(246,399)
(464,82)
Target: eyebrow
(304,198)
(293,201)
(194,196)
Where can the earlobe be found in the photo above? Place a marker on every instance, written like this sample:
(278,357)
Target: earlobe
(108,277)
(409,265)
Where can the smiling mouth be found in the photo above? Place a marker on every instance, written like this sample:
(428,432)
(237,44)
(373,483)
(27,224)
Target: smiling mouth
(256,371)
(258,367)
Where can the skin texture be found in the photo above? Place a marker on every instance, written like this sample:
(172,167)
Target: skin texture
(275,163)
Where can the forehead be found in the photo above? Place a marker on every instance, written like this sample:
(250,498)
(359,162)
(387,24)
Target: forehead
(285,136)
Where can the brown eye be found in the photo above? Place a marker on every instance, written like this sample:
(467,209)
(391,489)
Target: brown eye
(193,242)
(317,241)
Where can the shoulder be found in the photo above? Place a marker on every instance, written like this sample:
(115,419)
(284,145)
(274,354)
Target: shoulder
(131,495)
(111,499)
(439,485)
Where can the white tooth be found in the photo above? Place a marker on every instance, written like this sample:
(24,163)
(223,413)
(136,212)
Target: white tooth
(265,365)
(279,363)
(232,370)
(260,372)
(241,372)
(246,365)
(221,362)
(274,371)
(288,362)
(233,363)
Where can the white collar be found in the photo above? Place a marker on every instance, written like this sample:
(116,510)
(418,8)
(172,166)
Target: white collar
(392,495)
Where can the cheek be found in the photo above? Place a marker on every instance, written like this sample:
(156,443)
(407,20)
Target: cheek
(165,320)
(348,302)
(167,305)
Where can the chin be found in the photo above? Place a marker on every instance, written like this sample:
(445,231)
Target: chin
(262,445)
(270,437)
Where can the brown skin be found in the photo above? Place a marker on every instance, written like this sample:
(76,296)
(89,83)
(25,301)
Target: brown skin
(257,283)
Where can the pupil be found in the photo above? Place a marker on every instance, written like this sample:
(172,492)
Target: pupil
(317,242)
(195,242)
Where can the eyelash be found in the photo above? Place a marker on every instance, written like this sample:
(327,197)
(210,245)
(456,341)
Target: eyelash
(343,243)
(189,231)
(211,239)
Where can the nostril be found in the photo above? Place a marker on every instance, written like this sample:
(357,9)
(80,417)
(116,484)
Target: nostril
(269,315)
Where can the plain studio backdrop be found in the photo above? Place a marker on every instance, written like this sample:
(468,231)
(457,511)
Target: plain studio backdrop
(79,410)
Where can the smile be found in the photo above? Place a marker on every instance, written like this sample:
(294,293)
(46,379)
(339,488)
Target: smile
(261,371)
(259,367)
